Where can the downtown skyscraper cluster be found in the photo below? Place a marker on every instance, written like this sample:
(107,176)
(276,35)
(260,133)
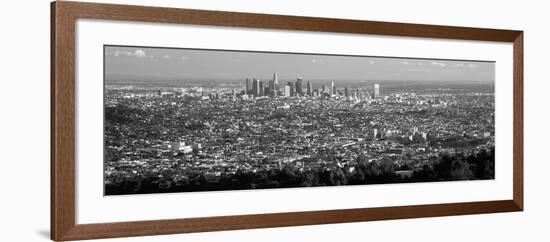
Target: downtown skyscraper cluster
(257,88)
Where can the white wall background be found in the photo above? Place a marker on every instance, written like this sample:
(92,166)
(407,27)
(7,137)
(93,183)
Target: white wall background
(24,120)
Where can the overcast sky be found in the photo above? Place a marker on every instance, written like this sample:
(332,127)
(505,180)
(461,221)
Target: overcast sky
(163,63)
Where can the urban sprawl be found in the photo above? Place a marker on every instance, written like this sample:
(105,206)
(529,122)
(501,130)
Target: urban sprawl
(271,134)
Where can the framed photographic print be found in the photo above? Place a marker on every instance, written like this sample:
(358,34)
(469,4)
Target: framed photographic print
(172,120)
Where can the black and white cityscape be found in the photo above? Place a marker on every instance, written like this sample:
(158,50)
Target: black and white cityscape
(187,120)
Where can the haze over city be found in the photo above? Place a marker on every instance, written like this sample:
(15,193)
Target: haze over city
(142,63)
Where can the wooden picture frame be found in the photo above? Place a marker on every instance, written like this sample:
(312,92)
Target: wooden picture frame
(63,17)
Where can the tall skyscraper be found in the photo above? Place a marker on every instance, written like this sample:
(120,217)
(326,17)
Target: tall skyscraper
(270,87)
(255,87)
(248,86)
(275,81)
(274,85)
(300,86)
(346,92)
(287,91)
(261,93)
(309,88)
(292,89)
(332,90)
(376,93)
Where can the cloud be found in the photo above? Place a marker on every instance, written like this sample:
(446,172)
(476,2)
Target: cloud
(184,58)
(140,53)
(166,56)
(136,53)
(471,65)
(435,63)
(122,53)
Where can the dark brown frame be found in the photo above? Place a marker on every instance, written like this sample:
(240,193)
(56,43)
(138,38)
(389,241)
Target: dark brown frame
(63,17)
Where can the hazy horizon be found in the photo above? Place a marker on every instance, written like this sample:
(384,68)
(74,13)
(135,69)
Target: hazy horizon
(153,64)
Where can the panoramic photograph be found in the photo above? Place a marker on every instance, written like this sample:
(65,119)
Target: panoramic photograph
(191,120)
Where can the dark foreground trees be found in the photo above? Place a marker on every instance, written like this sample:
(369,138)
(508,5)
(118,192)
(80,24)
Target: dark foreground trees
(446,168)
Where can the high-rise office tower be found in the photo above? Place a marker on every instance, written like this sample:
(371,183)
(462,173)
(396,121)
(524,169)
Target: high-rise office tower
(248,86)
(376,93)
(300,86)
(346,92)
(275,83)
(261,93)
(256,87)
(309,88)
(270,88)
(332,90)
(292,89)
(287,91)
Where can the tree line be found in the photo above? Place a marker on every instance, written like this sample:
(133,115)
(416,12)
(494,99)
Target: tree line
(476,166)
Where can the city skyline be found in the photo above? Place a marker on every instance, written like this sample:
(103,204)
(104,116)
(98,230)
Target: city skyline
(276,127)
(143,63)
